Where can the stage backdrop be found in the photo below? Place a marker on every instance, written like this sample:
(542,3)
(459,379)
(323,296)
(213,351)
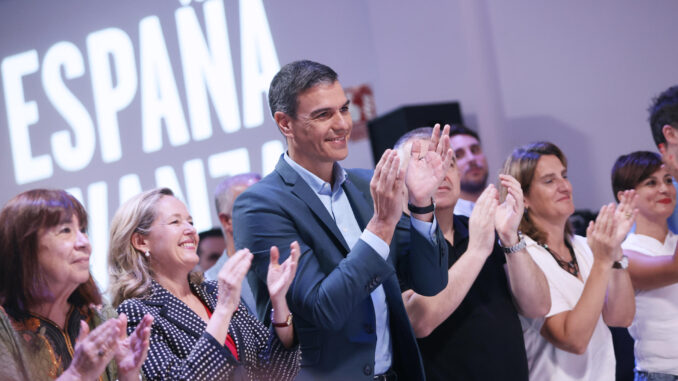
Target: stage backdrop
(109,98)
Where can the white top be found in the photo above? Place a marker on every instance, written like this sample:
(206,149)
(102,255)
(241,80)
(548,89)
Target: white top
(463,207)
(655,326)
(545,361)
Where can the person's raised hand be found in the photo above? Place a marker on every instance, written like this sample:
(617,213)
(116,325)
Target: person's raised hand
(481,223)
(230,280)
(427,166)
(132,350)
(386,190)
(625,214)
(510,212)
(280,276)
(600,236)
(93,351)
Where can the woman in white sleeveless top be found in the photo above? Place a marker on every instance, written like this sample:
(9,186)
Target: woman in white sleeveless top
(589,288)
(653,265)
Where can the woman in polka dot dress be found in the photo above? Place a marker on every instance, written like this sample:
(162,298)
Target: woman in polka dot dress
(201,330)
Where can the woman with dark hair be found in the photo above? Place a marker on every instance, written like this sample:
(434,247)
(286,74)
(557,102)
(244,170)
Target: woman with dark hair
(202,330)
(653,264)
(588,284)
(49,298)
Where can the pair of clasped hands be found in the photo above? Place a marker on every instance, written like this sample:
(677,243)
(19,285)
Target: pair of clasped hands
(94,350)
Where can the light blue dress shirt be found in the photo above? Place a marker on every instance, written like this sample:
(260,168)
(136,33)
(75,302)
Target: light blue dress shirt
(336,202)
(463,207)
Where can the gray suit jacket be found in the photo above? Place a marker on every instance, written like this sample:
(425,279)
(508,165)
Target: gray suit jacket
(330,297)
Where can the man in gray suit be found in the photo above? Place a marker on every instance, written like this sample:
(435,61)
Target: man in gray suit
(349,317)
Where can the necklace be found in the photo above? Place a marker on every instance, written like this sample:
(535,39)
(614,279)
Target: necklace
(572,266)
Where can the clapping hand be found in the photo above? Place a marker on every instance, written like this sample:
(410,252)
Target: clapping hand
(510,212)
(600,235)
(386,188)
(427,166)
(132,350)
(280,276)
(625,214)
(230,279)
(94,350)
(481,223)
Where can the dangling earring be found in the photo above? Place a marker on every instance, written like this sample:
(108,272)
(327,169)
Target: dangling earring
(147,254)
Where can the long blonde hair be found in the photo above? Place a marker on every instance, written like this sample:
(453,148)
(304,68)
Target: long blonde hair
(129,269)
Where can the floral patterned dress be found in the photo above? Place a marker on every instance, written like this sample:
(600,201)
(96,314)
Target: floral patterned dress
(36,348)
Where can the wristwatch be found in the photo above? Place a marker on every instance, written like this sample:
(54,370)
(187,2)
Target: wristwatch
(621,264)
(286,323)
(517,247)
(421,209)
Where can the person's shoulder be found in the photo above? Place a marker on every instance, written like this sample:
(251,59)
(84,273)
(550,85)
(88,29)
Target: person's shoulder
(578,240)
(133,307)
(262,189)
(360,177)
(460,218)
(360,173)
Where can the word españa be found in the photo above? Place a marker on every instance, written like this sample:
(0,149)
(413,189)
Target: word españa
(208,75)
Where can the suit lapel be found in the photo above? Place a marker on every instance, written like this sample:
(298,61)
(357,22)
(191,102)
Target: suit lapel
(300,189)
(204,295)
(362,207)
(176,311)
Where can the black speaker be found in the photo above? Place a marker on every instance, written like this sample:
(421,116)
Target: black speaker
(386,129)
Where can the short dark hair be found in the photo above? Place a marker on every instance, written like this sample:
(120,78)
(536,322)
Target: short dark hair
(212,233)
(293,79)
(22,220)
(663,111)
(460,129)
(632,169)
(522,165)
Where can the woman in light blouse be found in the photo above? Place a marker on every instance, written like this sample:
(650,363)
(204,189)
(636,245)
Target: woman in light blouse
(653,264)
(589,285)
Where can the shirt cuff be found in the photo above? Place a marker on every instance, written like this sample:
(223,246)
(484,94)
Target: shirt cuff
(426,229)
(377,244)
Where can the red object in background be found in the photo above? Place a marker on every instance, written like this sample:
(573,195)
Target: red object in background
(362,109)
